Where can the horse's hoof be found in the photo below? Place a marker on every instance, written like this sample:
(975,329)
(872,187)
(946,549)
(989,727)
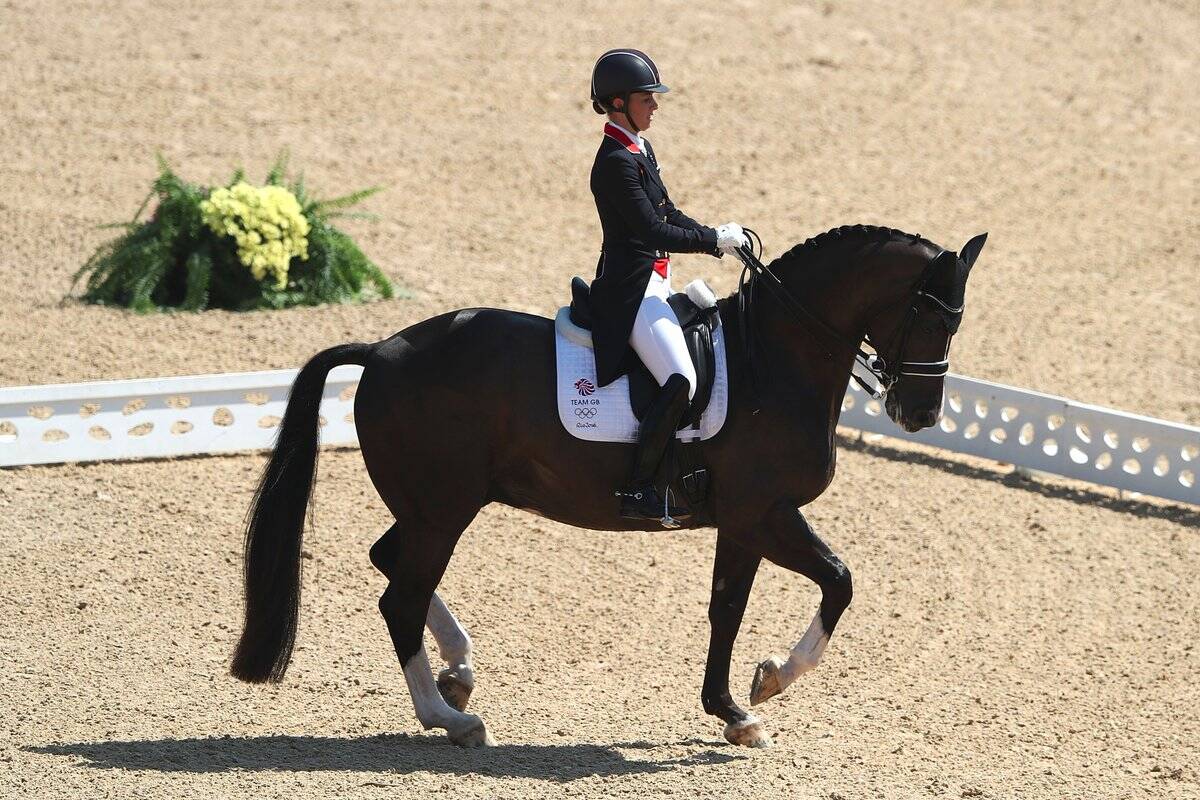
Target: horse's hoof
(473,734)
(455,688)
(766,681)
(748,733)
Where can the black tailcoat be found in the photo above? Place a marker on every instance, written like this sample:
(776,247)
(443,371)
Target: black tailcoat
(640,225)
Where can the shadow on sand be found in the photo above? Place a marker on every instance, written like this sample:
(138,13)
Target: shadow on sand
(383,753)
(1183,515)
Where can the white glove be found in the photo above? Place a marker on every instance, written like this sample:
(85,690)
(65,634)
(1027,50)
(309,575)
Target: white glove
(730,237)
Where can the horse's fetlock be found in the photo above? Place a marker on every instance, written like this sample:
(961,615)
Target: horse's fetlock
(714,704)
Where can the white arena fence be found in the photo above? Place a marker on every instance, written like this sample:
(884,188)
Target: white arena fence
(158,417)
(241,411)
(1050,434)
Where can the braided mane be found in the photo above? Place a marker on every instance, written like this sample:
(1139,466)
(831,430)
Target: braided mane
(867,233)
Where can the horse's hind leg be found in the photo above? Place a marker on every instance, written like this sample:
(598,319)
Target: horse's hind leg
(789,541)
(414,559)
(457,680)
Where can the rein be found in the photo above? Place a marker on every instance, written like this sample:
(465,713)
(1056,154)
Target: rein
(872,362)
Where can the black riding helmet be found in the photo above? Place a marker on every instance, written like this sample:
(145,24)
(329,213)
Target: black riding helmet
(620,73)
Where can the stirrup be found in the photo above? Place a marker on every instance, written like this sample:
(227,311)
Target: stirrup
(642,503)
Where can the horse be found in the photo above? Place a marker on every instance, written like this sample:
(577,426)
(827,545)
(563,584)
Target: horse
(436,459)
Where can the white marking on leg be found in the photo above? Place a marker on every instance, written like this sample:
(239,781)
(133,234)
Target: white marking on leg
(454,645)
(457,681)
(432,710)
(806,653)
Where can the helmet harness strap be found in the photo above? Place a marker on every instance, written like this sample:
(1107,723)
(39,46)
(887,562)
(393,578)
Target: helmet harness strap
(624,109)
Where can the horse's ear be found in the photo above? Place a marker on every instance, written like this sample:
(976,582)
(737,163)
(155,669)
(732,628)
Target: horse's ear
(970,250)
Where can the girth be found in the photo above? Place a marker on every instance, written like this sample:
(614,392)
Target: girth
(697,324)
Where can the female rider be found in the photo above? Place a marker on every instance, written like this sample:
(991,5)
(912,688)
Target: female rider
(631,316)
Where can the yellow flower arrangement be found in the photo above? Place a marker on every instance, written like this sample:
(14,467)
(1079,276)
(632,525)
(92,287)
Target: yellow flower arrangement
(266,222)
(240,247)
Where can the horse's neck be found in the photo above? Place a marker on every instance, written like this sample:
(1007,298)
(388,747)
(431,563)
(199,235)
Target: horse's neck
(847,293)
(789,356)
(844,294)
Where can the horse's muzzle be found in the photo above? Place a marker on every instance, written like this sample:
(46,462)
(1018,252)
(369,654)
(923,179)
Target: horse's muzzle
(921,420)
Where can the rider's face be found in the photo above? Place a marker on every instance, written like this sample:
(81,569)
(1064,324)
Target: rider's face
(642,106)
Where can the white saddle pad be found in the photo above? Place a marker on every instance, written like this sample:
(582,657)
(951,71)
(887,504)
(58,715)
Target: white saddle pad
(604,414)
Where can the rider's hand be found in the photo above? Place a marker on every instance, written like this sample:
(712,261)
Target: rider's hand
(730,237)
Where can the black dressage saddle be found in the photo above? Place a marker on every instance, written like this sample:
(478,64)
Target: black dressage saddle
(698,325)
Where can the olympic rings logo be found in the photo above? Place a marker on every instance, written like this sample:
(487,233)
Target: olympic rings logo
(585,413)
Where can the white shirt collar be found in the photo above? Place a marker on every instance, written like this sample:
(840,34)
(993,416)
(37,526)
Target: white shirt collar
(637,137)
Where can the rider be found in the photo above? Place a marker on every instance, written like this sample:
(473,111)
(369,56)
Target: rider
(633,277)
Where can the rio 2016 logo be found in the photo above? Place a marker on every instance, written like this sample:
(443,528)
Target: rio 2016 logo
(584,387)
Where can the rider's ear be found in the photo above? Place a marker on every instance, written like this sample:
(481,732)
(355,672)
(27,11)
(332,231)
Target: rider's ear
(617,104)
(970,250)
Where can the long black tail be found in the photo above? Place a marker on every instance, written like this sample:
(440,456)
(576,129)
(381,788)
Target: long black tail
(276,525)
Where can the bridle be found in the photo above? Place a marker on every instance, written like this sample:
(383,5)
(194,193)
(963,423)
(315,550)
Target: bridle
(888,373)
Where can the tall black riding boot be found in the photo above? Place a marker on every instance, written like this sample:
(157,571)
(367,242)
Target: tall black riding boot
(640,498)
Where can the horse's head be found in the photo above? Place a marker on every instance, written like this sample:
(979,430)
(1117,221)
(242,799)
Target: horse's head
(914,337)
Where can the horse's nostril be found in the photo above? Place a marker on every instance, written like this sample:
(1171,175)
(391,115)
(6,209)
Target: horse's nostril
(927,418)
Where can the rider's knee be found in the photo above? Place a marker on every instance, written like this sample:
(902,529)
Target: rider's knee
(681,387)
(685,375)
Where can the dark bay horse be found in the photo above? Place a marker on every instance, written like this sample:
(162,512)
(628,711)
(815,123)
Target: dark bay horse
(436,459)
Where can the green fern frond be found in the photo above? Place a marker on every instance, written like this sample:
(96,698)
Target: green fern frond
(276,173)
(297,188)
(199,273)
(143,286)
(137,215)
(324,207)
(364,215)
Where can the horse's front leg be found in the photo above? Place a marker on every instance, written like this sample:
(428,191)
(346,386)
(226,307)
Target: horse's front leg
(734,568)
(789,541)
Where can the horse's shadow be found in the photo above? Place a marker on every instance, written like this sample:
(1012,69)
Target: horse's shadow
(382,753)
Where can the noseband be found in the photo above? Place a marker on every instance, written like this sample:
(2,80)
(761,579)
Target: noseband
(886,373)
(889,375)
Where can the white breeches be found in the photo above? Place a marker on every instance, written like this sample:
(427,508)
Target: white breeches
(658,339)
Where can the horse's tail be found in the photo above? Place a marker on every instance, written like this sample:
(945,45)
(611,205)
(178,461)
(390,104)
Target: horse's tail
(276,525)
